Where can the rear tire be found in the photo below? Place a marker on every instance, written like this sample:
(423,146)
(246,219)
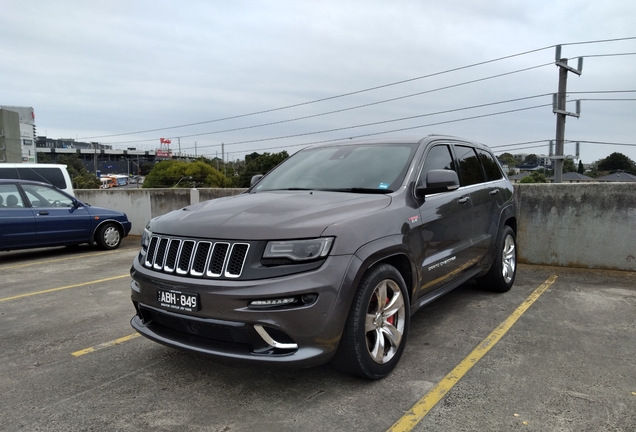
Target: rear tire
(501,275)
(377,326)
(108,236)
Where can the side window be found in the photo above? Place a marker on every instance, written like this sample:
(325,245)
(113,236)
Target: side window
(53,176)
(491,166)
(44,196)
(439,157)
(469,167)
(10,196)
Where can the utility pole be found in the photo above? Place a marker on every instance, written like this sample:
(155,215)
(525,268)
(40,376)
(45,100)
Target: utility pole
(195,150)
(558,107)
(179,140)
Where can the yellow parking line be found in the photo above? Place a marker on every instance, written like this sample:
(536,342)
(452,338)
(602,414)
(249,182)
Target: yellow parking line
(63,288)
(424,405)
(74,257)
(105,345)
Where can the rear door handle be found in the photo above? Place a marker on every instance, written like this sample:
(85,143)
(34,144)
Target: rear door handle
(43,213)
(494,192)
(463,200)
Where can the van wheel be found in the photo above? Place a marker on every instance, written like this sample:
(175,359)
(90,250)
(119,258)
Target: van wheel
(375,332)
(502,273)
(108,236)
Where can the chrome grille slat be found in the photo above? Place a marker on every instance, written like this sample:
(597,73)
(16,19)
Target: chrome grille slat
(234,266)
(161,253)
(217,260)
(193,258)
(185,258)
(171,257)
(200,258)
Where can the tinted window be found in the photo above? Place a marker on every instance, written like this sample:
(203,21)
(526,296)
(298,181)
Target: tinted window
(53,176)
(439,157)
(491,166)
(48,175)
(9,173)
(469,166)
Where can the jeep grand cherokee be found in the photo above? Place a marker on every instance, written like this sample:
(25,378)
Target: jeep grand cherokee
(327,256)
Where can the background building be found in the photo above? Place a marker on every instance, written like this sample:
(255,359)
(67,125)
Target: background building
(26,119)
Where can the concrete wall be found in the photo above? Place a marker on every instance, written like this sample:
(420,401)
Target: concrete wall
(141,205)
(576,225)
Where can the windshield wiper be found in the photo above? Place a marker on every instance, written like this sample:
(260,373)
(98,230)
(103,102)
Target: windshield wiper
(287,189)
(360,190)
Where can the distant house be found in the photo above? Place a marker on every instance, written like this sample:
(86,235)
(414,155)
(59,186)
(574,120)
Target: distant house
(619,176)
(572,177)
(517,177)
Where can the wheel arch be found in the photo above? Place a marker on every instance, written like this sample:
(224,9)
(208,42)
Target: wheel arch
(388,250)
(119,225)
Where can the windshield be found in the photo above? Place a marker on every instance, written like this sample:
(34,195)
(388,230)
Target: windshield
(351,168)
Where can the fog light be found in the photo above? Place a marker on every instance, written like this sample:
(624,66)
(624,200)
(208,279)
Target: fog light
(308,298)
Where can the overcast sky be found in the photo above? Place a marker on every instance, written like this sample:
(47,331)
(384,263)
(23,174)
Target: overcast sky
(92,70)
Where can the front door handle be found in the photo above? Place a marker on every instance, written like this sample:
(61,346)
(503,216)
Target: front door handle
(463,200)
(43,213)
(494,192)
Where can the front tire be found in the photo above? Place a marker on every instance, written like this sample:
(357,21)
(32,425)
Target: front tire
(108,236)
(377,326)
(501,275)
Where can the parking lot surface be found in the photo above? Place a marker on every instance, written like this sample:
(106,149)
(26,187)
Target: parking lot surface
(69,360)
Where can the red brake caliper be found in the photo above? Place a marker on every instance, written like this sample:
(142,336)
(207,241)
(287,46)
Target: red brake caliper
(391,319)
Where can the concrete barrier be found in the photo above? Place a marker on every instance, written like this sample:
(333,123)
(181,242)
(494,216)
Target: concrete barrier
(141,205)
(575,225)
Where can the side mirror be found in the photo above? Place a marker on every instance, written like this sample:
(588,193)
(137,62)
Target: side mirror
(256,179)
(438,181)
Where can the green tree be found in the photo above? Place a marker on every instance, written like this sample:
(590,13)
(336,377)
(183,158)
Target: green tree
(174,173)
(581,168)
(259,164)
(535,177)
(532,159)
(508,159)
(80,177)
(617,161)
(568,166)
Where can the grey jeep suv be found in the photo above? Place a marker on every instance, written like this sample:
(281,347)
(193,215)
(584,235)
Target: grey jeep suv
(328,255)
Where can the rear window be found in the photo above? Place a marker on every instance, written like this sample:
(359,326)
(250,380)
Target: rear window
(53,176)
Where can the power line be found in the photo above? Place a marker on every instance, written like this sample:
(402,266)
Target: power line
(333,97)
(384,132)
(598,41)
(350,108)
(367,89)
(602,143)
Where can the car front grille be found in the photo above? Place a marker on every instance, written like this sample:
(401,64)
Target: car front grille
(194,258)
(199,328)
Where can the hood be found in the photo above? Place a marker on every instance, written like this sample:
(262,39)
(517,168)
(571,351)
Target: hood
(268,215)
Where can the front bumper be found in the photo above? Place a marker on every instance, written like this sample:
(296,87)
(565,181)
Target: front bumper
(225,326)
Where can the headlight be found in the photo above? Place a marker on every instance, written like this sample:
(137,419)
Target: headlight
(299,250)
(145,239)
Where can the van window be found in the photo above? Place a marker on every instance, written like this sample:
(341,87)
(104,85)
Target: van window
(53,176)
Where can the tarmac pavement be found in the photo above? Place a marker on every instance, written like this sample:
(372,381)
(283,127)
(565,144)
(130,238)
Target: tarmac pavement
(69,360)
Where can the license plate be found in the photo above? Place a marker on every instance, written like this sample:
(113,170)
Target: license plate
(178,300)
